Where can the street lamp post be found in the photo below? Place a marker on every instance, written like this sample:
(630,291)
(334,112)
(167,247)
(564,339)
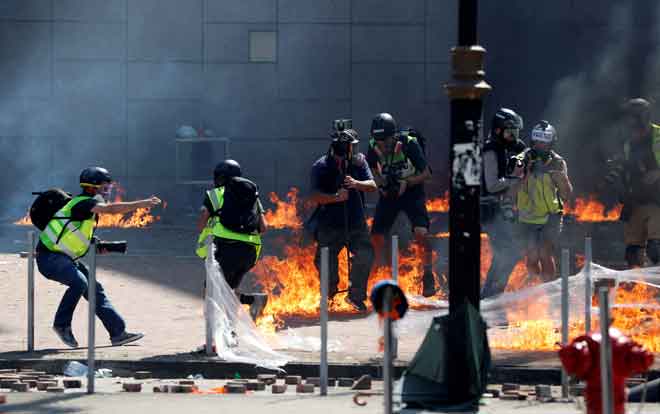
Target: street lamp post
(465,90)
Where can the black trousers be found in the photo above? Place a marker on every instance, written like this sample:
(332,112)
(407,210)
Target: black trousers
(236,258)
(362,252)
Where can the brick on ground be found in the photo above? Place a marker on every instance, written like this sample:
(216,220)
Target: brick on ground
(305,388)
(292,379)
(278,388)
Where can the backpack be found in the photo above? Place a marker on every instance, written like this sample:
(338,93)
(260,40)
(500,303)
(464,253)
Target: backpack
(46,205)
(240,208)
(413,132)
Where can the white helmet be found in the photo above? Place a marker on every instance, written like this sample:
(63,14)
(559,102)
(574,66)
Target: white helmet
(544,132)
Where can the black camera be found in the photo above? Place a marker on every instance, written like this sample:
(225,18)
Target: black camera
(103,247)
(516,162)
(342,124)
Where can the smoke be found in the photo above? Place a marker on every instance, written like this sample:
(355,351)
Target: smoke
(586,106)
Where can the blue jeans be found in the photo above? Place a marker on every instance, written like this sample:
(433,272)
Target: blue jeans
(61,268)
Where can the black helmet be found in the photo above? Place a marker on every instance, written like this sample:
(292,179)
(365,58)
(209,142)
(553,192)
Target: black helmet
(383,126)
(639,109)
(227,169)
(343,140)
(506,118)
(94,177)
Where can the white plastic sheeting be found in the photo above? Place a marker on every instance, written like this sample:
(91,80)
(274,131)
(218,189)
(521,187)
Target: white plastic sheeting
(235,336)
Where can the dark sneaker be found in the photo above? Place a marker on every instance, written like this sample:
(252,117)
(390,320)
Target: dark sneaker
(358,305)
(258,305)
(125,338)
(428,285)
(66,335)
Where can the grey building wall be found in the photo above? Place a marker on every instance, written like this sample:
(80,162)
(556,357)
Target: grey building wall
(108,81)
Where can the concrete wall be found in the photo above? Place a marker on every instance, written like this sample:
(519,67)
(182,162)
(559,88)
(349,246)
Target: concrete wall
(109,81)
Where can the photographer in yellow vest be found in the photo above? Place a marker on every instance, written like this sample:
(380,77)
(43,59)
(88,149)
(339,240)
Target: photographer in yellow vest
(67,237)
(544,188)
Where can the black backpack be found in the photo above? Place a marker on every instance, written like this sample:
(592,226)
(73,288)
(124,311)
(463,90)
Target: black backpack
(421,140)
(240,211)
(46,204)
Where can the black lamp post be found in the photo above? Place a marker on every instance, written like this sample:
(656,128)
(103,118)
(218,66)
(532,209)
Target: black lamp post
(465,90)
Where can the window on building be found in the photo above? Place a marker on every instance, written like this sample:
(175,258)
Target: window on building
(263,46)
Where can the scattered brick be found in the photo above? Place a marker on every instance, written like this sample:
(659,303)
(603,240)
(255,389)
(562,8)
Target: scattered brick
(315,381)
(292,379)
(3,398)
(186,388)
(543,392)
(332,382)
(7,371)
(72,383)
(509,397)
(268,379)
(305,388)
(235,388)
(31,383)
(187,382)
(346,382)
(132,386)
(494,391)
(44,385)
(278,388)
(255,386)
(142,375)
(506,387)
(363,383)
(7,383)
(54,389)
(20,387)
(576,390)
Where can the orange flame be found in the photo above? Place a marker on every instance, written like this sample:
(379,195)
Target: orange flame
(286,212)
(591,210)
(438,205)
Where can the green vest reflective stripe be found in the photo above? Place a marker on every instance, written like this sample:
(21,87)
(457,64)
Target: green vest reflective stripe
(537,199)
(655,145)
(63,235)
(398,162)
(215,229)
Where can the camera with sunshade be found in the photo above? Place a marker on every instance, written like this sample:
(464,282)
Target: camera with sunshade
(105,247)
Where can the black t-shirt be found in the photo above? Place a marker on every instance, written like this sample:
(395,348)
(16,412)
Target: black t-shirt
(83,210)
(412,151)
(326,178)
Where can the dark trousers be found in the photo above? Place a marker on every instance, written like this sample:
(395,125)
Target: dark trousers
(235,258)
(506,253)
(62,269)
(362,258)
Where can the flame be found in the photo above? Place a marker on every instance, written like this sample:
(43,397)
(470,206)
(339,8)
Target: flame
(286,212)
(141,217)
(591,210)
(438,205)
(641,322)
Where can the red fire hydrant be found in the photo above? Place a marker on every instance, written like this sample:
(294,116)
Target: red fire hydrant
(581,358)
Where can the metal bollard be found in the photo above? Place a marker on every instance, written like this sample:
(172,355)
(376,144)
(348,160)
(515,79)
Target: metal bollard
(564,315)
(387,357)
(395,277)
(588,258)
(605,350)
(30,291)
(325,270)
(91,300)
(207,307)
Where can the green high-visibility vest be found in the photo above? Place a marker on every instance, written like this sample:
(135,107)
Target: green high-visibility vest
(656,145)
(63,235)
(396,163)
(214,227)
(538,196)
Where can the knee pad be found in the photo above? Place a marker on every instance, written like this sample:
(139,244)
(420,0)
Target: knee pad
(653,250)
(634,256)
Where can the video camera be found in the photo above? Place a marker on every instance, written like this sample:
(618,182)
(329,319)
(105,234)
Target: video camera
(103,247)
(339,125)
